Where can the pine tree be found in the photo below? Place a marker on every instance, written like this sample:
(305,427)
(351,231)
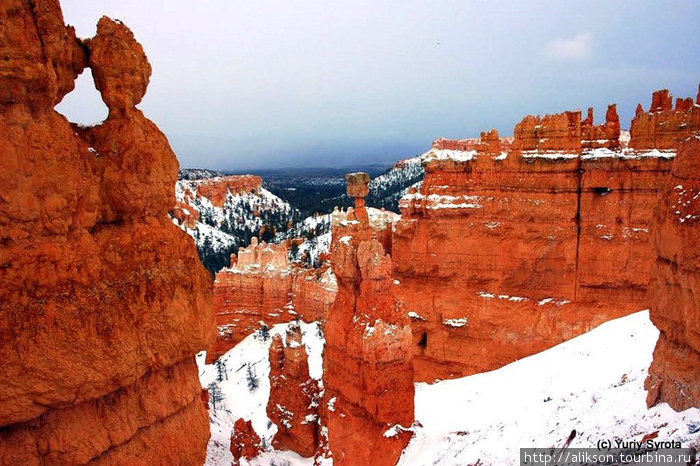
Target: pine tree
(253,382)
(220,370)
(215,395)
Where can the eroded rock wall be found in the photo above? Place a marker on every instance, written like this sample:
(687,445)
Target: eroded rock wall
(103,302)
(664,127)
(261,286)
(675,287)
(216,189)
(504,254)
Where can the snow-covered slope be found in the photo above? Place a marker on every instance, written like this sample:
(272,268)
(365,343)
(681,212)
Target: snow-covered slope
(592,384)
(241,368)
(221,230)
(385,190)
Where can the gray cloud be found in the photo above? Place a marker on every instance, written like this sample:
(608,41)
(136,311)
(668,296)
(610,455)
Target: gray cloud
(241,85)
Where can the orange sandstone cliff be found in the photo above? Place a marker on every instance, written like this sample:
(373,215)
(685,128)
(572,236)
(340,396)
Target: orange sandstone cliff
(664,127)
(368,370)
(502,254)
(263,287)
(675,287)
(103,301)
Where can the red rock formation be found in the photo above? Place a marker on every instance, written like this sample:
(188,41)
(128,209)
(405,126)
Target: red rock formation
(663,127)
(245,442)
(262,286)
(185,215)
(477,297)
(104,302)
(294,395)
(368,372)
(675,306)
(560,132)
(488,143)
(606,135)
(216,189)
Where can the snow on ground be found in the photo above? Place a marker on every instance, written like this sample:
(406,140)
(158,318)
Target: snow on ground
(249,361)
(593,384)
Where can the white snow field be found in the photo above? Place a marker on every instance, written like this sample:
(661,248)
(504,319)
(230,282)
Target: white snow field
(592,383)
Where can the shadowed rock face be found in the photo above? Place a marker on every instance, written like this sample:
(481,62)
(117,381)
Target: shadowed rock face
(103,302)
(675,288)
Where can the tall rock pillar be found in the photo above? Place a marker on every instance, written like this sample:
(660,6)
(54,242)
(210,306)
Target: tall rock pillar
(368,370)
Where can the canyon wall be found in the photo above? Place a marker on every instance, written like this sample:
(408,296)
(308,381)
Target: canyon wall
(261,286)
(503,254)
(675,287)
(368,370)
(103,302)
(216,189)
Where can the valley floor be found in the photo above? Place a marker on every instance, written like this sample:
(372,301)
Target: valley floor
(593,384)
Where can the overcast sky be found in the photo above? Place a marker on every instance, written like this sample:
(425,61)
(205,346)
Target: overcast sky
(244,85)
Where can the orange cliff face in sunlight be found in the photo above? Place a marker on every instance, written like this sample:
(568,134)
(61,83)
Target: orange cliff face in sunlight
(104,302)
(262,286)
(368,370)
(504,254)
(675,286)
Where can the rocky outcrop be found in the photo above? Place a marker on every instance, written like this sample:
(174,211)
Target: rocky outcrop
(294,395)
(216,189)
(245,442)
(368,372)
(500,256)
(261,286)
(675,288)
(664,127)
(488,143)
(606,135)
(104,302)
(560,132)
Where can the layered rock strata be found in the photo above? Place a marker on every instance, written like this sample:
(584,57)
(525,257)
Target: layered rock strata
(103,302)
(675,287)
(294,395)
(664,127)
(504,254)
(263,287)
(368,371)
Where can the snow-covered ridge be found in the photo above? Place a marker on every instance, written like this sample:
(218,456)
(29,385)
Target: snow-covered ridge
(222,229)
(386,189)
(592,384)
